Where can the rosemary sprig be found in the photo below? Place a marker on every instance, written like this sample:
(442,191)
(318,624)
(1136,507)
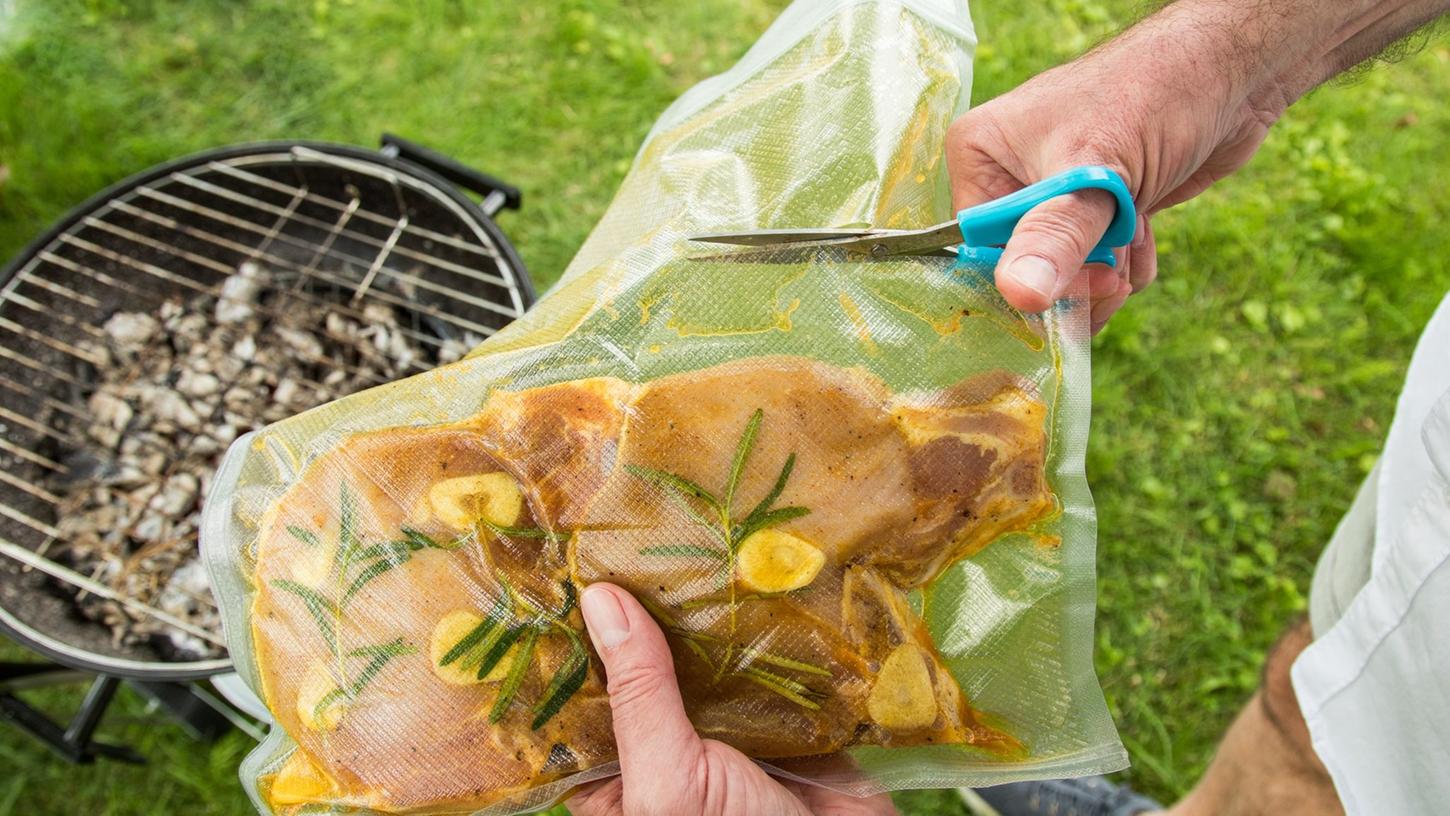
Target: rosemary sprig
(500,647)
(473,638)
(419,540)
(516,625)
(742,453)
(480,634)
(346,524)
(732,532)
(320,608)
(786,663)
(775,491)
(304,535)
(711,600)
(385,549)
(789,689)
(770,518)
(568,679)
(699,651)
(377,559)
(518,532)
(381,654)
(681,490)
(685,550)
(370,572)
(326,701)
(674,483)
(571,600)
(393,554)
(512,622)
(658,611)
(515,677)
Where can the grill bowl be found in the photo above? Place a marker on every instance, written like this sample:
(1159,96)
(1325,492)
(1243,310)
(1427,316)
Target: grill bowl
(351,225)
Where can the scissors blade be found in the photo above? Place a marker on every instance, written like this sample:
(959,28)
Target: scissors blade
(929,241)
(771,237)
(874,242)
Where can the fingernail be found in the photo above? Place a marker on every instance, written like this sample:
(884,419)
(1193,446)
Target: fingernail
(608,625)
(1034,273)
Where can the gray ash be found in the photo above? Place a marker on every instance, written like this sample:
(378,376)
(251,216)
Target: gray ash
(173,388)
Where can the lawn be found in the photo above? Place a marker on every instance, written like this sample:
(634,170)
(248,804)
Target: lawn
(1237,403)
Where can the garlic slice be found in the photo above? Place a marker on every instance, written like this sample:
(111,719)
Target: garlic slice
(775,561)
(463,501)
(903,698)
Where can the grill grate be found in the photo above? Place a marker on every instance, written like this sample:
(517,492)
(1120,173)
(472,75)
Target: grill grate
(343,227)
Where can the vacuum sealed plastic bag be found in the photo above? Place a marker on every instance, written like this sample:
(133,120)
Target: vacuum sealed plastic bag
(850,490)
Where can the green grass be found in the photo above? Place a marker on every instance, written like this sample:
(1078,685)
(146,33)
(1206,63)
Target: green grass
(1237,404)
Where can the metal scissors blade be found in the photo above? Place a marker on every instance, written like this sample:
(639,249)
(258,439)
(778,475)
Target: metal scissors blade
(772,237)
(981,230)
(875,242)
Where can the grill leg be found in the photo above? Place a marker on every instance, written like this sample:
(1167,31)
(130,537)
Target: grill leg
(73,743)
(190,710)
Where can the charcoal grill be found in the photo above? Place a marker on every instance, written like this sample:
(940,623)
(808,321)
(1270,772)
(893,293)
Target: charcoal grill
(350,225)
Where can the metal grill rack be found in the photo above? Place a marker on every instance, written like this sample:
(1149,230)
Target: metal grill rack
(344,226)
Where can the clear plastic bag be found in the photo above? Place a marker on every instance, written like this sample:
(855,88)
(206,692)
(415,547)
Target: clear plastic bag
(851,490)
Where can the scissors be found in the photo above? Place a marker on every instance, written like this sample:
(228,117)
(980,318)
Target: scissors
(978,233)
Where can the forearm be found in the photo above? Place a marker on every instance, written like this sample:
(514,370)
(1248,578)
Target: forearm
(1370,34)
(1223,71)
(1240,49)
(1173,104)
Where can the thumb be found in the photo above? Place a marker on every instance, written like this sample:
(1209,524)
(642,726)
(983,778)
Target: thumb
(654,736)
(1049,245)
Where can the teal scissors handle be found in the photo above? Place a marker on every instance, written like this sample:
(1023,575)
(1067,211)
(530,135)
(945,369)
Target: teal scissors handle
(986,227)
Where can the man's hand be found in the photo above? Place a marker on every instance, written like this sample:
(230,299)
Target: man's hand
(1174,104)
(665,768)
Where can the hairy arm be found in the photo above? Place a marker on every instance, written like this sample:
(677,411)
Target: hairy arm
(1176,102)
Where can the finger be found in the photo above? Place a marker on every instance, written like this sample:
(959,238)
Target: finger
(1103,311)
(825,802)
(654,736)
(1103,282)
(1201,180)
(838,770)
(1049,245)
(604,798)
(974,166)
(1143,256)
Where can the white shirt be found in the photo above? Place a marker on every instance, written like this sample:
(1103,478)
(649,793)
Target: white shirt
(1375,688)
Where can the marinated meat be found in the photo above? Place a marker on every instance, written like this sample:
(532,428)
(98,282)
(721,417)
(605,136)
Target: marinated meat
(416,624)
